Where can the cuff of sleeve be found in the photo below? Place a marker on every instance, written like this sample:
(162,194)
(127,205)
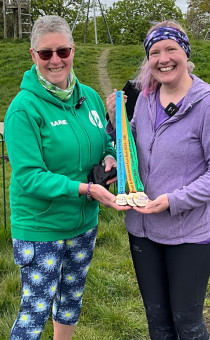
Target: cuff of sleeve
(109,127)
(73,189)
(172,206)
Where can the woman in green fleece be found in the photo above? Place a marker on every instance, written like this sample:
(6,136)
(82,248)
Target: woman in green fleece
(54,131)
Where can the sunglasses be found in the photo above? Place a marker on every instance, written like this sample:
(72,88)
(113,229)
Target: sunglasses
(61,53)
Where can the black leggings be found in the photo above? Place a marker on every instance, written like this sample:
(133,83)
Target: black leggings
(173,281)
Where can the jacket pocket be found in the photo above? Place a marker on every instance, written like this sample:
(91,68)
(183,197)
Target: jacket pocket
(65,214)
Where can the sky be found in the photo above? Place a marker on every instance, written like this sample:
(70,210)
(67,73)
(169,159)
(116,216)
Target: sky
(182,4)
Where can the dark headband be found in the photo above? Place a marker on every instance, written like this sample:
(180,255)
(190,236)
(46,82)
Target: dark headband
(162,33)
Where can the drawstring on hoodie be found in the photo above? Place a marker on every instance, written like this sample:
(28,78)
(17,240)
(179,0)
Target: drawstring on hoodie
(80,151)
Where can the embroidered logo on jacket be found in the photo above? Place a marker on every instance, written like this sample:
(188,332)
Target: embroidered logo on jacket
(95,119)
(59,122)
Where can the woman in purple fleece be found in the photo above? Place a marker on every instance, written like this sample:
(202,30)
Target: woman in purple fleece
(170,237)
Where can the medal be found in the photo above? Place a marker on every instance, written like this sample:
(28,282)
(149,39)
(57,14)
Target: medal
(140,199)
(121,199)
(130,199)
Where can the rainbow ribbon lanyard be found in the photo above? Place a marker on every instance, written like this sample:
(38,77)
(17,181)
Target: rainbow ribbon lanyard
(127,161)
(121,174)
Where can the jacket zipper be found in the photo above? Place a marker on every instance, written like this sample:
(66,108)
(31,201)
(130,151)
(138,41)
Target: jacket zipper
(86,133)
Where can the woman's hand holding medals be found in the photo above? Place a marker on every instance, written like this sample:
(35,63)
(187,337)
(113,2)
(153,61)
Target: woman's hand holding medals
(101,194)
(160,204)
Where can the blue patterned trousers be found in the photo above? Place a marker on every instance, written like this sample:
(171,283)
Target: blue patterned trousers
(53,275)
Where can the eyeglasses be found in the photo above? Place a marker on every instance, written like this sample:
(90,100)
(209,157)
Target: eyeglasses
(61,53)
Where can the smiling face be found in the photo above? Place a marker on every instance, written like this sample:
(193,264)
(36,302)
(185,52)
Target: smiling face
(168,62)
(56,70)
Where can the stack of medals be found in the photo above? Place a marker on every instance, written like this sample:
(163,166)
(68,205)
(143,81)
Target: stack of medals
(127,162)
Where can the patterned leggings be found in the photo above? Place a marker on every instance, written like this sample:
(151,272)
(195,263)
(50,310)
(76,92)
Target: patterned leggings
(52,273)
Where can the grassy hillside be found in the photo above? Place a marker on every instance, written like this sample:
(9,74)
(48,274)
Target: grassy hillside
(123,63)
(112,308)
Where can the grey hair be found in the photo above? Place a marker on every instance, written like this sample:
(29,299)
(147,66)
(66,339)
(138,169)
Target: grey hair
(50,23)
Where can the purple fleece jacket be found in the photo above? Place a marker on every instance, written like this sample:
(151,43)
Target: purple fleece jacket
(174,159)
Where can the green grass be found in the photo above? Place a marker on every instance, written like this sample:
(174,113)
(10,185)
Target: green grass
(112,307)
(123,63)
(15,60)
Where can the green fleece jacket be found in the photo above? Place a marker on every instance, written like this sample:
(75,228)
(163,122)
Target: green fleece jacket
(52,146)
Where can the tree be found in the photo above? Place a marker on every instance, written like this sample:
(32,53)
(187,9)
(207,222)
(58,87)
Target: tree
(102,34)
(198,17)
(130,20)
(67,9)
(199,5)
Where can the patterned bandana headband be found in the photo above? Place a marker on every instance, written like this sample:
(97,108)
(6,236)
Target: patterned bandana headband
(162,33)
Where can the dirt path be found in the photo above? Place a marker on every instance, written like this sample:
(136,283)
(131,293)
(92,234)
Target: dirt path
(104,79)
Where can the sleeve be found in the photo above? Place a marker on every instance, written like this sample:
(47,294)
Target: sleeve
(23,141)
(111,132)
(109,149)
(197,192)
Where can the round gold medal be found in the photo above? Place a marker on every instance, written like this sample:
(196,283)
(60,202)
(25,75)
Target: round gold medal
(121,199)
(130,200)
(140,199)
